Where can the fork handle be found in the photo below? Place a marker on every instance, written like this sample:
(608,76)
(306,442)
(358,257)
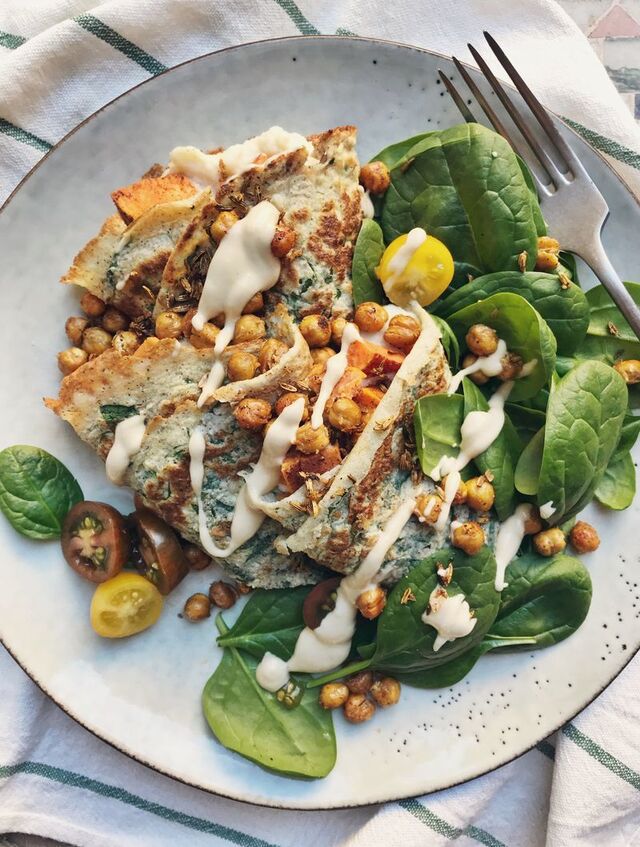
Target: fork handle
(599,263)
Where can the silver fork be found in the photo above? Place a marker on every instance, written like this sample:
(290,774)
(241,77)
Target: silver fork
(573,207)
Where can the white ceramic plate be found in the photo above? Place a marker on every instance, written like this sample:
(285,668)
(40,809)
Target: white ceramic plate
(143,695)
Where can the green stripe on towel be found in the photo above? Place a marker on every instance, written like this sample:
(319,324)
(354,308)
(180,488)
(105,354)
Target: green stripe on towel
(11,41)
(600,755)
(606,145)
(64,777)
(25,137)
(305,26)
(442,827)
(119,42)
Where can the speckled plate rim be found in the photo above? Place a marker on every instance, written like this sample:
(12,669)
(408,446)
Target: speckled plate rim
(300,39)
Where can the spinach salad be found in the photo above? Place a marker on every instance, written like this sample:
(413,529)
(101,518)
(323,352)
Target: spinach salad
(434,446)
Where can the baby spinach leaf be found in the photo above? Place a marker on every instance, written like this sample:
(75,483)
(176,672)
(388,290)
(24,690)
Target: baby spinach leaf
(527,475)
(405,642)
(270,622)
(546,599)
(36,491)
(464,186)
(249,720)
(607,320)
(565,310)
(437,419)
(500,457)
(395,154)
(617,488)
(114,413)
(584,420)
(628,435)
(526,421)
(569,266)
(541,226)
(525,332)
(452,672)
(448,341)
(366,257)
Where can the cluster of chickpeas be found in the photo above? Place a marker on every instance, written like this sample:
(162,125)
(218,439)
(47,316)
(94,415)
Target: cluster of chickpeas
(221,595)
(324,336)
(482,341)
(360,694)
(549,542)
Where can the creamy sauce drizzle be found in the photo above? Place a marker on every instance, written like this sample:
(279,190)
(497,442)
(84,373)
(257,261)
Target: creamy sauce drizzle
(398,264)
(217,168)
(547,510)
(508,542)
(336,367)
(324,648)
(488,365)
(263,478)
(450,616)
(242,266)
(366,204)
(126,443)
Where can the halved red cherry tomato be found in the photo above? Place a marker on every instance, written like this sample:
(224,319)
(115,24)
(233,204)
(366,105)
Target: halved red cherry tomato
(160,549)
(95,541)
(319,602)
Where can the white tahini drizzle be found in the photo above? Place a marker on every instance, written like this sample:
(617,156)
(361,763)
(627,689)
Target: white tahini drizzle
(449,615)
(263,478)
(478,432)
(324,648)
(366,204)
(216,168)
(399,262)
(126,443)
(547,510)
(242,266)
(336,367)
(508,541)
(489,365)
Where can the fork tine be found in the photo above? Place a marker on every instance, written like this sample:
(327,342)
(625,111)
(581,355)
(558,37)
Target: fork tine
(536,107)
(484,105)
(547,164)
(464,110)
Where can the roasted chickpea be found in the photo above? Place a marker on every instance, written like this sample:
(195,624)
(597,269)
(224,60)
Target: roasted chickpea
(360,683)
(71,359)
(478,377)
(222,224)
(333,695)
(533,523)
(321,355)
(549,541)
(92,305)
(270,353)
(197,558)
(252,413)
(584,538)
(337,328)
(428,508)
(95,340)
(316,330)
(460,496)
(197,607)
(169,325)
(469,537)
(370,317)
(315,375)
(629,370)
(403,332)
(358,708)
(310,440)
(345,415)
(546,262)
(371,602)
(375,177)
(114,320)
(481,494)
(386,691)
(482,340)
(550,245)
(283,241)
(256,304)
(74,327)
(242,588)
(249,328)
(125,342)
(291,397)
(511,367)
(205,337)
(241,365)
(222,594)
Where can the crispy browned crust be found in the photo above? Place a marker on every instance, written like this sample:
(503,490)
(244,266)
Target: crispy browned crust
(133,200)
(90,265)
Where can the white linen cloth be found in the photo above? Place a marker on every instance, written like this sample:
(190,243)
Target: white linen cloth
(60,60)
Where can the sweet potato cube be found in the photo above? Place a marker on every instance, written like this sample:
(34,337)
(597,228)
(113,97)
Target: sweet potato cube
(348,385)
(296,463)
(373,359)
(369,396)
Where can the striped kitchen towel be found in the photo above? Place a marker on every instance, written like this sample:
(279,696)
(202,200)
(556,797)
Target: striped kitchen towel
(60,60)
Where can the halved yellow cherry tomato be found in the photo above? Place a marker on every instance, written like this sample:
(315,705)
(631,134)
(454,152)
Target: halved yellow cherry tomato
(124,605)
(423,274)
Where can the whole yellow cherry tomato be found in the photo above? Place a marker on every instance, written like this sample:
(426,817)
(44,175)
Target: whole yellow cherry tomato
(124,605)
(422,274)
